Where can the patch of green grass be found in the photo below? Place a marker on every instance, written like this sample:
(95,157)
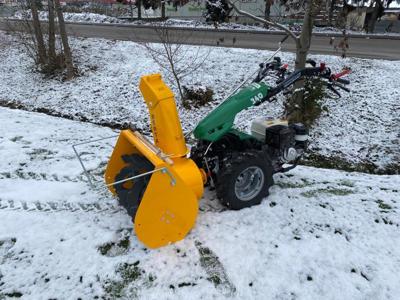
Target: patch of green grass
(114,289)
(124,243)
(8,242)
(11,295)
(132,277)
(215,279)
(119,247)
(183,284)
(291,185)
(215,270)
(16,138)
(130,272)
(105,248)
(330,191)
(315,159)
(348,183)
(383,205)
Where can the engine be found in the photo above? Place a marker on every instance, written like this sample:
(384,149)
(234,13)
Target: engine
(286,143)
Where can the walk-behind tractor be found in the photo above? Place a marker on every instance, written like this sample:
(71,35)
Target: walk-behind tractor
(159,184)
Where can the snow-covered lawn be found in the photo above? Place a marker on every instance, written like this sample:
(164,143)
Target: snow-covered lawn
(321,234)
(361,127)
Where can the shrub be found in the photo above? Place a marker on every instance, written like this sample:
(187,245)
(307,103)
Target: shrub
(197,96)
(217,11)
(310,108)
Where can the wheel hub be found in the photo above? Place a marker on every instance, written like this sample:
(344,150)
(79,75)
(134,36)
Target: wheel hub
(249,183)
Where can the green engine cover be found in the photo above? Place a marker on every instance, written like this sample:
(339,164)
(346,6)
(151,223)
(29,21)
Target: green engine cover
(220,120)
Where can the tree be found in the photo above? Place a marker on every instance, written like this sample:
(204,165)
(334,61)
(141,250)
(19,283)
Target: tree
(267,11)
(139,8)
(41,48)
(217,11)
(174,57)
(331,9)
(30,32)
(64,39)
(163,9)
(52,33)
(378,9)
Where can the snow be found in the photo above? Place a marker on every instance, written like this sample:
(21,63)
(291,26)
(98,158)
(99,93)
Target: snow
(321,234)
(70,17)
(361,127)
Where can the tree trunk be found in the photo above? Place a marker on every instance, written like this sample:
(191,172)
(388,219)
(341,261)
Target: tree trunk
(305,36)
(139,9)
(52,33)
(178,83)
(293,105)
(375,14)
(332,5)
(163,9)
(341,19)
(131,8)
(267,11)
(42,57)
(64,39)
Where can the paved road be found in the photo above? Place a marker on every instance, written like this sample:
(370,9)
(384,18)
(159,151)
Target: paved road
(360,46)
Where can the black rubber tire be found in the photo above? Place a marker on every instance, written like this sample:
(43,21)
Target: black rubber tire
(232,168)
(130,197)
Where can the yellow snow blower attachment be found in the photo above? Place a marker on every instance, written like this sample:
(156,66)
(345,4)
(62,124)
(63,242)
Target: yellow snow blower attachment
(157,184)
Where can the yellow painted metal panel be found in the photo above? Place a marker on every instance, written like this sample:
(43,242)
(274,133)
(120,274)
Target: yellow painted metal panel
(127,143)
(165,123)
(167,212)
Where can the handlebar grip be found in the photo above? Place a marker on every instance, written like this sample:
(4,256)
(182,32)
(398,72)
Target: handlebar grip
(344,81)
(343,87)
(333,90)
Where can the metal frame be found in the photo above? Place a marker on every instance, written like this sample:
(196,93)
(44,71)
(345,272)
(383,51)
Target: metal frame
(85,171)
(163,170)
(92,180)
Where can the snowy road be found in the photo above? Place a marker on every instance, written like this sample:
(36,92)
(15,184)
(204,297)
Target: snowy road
(360,46)
(322,234)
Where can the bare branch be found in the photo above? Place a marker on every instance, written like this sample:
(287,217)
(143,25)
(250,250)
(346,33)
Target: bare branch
(174,57)
(268,22)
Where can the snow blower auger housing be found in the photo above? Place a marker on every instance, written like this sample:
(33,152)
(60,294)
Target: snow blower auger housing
(157,184)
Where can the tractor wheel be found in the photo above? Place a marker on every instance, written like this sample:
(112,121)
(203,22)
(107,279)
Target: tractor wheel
(244,179)
(130,192)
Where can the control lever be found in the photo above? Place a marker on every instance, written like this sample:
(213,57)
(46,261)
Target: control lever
(344,81)
(342,87)
(330,87)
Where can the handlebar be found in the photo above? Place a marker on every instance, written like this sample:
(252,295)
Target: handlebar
(332,80)
(343,87)
(335,80)
(344,81)
(265,68)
